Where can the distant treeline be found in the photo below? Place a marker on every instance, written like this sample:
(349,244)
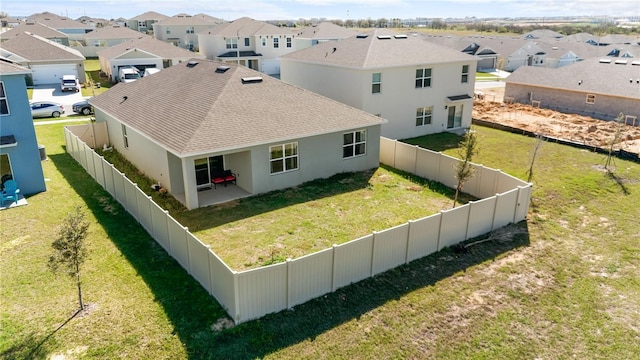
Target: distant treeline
(477,26)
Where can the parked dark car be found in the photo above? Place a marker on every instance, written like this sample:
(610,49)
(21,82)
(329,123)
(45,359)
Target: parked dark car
(41,109)
(82,107)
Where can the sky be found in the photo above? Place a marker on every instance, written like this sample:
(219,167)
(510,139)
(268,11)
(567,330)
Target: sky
(330,9)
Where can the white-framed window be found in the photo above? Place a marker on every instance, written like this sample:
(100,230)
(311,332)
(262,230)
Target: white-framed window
(232,43)
(142,24)
(168,31)
(276,42)
(376,83)
(423,78)
(354,144)
(264,42)
(289,41)
(190,29)
(591,98)
(283,157)
(125,138)
(465,74)
(423,115)
(4,104)
(247,42)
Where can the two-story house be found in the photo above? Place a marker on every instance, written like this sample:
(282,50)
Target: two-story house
(19,152)
(418,86)
(322,32)
(181,30)
(144,22)
(252,43)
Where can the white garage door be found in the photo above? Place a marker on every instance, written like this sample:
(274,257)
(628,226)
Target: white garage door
(271,67)
(51,74)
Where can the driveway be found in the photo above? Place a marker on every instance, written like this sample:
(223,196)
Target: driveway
(53,93)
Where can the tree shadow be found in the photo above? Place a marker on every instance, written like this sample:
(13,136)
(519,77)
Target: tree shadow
(192,311)
(620,181)
(259,338)
(33,348)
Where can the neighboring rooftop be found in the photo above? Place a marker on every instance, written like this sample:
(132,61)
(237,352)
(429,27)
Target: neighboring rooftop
(114,32)
(202,106)
(7,67)
(149,15)
(379,48)
(149,45)
(246,26)
(34,28)
(607,76)
(36,48)
(326,30)
(185,19)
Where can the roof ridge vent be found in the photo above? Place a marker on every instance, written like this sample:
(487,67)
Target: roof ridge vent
(361,36)
(222,69)
(400,36)
(192,63)
(605,61)
(384,37)
(251,79)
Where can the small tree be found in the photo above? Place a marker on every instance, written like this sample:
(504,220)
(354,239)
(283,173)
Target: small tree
(70,248)
(616,139)
(468,148)
(536,147)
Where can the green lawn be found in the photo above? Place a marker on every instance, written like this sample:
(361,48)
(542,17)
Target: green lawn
(92,73)
(563,284)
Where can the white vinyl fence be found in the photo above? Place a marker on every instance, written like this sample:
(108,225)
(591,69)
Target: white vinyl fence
(254,293)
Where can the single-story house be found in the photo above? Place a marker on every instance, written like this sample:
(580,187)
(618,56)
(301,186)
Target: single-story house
(35,28)
(143,52)
(48,60)
(601,88)
(74,29)
(190,122)
(19,152)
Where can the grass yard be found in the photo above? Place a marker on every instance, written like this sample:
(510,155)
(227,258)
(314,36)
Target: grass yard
(269,228)
(563,284)
(92,73)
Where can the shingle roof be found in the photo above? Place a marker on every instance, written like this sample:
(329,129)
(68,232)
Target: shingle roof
(149,15)
(7,67)
(200,19)
(36,48)
(34,28)
(247,26)
(589,76)
(146,43)
(196,110)
(57,22)
(114,32)
(369,51)
(326,30)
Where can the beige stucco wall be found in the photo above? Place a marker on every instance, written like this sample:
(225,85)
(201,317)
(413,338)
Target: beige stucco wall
(605,107)
(398,100)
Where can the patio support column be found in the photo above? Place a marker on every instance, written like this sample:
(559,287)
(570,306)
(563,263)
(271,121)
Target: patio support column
(190,188)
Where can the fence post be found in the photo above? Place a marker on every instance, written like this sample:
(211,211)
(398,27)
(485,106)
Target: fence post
(333,268)
(373,252)
(288,285)
(406,250)
(493,218)
(209,266)
(166,223)
(186,237)
(439,230)
(466,231)
(236,298)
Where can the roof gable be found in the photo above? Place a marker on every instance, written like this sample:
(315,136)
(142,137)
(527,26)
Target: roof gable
(194,109)
(36,48)
(36,29)
(149,15)
(149,45)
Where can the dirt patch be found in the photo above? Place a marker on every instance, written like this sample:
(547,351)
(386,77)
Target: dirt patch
(575,128)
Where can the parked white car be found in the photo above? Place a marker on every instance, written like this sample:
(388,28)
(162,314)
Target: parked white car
(149,71)
(70,83)
(128,74)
